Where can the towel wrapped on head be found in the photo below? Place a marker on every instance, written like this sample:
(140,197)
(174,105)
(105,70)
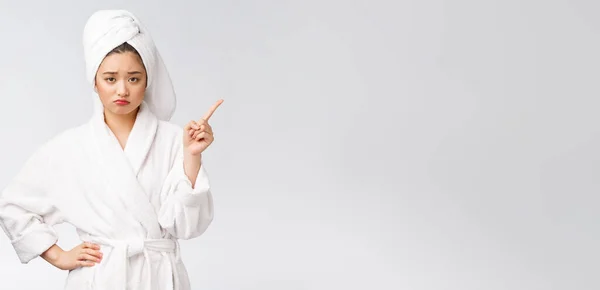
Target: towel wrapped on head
(106,30)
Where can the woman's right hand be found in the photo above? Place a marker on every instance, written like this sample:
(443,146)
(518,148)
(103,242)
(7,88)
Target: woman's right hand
(83,255)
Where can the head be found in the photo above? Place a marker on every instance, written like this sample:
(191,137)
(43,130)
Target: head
(121,80)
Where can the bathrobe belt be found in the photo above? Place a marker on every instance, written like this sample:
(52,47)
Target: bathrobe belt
(122,250)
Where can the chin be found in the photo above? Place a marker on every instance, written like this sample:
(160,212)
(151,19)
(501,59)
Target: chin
(123,110)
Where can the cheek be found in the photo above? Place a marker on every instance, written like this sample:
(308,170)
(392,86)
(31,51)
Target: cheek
(137,91)
(105,91)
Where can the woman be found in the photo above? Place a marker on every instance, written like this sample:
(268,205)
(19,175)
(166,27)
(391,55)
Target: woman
(129,182)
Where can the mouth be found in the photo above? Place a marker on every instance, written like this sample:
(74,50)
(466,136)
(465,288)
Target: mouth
(121,102)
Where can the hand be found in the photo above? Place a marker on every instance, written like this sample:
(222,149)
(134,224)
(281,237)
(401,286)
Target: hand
(83,255)
(197,136)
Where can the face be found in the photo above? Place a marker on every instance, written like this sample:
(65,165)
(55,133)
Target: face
(121,83)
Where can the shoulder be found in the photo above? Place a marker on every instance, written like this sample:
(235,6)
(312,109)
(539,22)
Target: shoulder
(168,126)
(56,148)
(169,138)
(67,138)
(169,129)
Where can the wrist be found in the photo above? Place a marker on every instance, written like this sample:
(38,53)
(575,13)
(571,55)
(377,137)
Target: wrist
(189,158)
(191,166)
(53,254)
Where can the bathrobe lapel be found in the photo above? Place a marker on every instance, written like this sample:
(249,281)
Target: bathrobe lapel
(121,167)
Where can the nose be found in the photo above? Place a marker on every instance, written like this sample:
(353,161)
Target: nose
(122,90)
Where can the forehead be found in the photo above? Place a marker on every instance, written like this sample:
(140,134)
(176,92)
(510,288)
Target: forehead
(121,61)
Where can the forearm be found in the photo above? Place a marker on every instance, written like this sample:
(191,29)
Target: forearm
(186,212)
(52,254)
(191,165)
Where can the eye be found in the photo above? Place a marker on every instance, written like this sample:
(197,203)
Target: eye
(110,80)
(133,80)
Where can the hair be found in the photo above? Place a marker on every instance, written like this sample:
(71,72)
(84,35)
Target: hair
(125,47)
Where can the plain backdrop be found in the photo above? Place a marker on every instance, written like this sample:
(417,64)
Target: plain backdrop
(362,144)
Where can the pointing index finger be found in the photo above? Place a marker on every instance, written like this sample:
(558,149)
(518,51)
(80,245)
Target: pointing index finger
(212,110)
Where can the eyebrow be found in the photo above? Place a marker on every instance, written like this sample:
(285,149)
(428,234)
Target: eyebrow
(114,73)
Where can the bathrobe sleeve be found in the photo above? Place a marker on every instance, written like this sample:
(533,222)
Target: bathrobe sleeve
(27,213)
(186,211)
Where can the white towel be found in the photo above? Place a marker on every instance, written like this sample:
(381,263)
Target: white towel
(107,29)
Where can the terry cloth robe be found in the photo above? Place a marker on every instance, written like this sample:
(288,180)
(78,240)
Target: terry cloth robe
(135,202)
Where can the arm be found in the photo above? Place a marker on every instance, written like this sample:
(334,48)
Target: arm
(191,165)
(187,209)
(187,204)
(28,214)
(52,255)
(26,211)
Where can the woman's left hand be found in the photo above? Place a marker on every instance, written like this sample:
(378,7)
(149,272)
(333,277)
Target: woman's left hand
(197,136)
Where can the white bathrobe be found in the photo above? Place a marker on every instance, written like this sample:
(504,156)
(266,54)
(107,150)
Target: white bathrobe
(135,202)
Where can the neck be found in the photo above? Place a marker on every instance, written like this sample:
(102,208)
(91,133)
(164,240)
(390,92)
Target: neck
(120,124)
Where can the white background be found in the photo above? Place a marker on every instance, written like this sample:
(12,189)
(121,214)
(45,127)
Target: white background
(362,144)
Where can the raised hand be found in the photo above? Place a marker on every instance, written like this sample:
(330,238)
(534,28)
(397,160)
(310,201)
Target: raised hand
(197,136)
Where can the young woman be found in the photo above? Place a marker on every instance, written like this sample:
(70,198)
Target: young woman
(130,182)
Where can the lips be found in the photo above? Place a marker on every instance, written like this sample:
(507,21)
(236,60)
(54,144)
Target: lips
(121,102)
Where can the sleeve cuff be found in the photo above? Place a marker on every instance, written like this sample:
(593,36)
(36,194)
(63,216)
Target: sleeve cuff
(193,196)
(34,243)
